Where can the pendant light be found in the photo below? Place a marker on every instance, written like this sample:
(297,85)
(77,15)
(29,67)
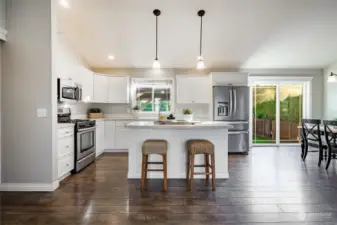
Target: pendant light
(332,78)
(201,63)
(156,63)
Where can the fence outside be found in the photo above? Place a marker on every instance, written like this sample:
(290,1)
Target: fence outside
(266,128)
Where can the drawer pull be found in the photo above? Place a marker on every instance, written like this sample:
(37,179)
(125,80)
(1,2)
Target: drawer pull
(67,146)
(67,164)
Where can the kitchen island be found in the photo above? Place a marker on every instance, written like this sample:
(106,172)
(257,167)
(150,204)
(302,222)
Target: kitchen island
(176,136)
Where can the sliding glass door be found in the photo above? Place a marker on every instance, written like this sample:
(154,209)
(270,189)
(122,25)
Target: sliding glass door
(264,114)
(291,108)
(277,111)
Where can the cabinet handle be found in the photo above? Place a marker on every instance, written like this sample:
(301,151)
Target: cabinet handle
(67,146)
(67,164)
(67,132)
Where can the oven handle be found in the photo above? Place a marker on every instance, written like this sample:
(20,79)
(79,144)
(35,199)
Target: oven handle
(86,129)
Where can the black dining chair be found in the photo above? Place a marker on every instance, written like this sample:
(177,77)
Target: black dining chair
(330,130)
(311,136)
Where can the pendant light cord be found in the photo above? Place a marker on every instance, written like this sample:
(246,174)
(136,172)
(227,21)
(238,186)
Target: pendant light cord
(156,37)
(201,36)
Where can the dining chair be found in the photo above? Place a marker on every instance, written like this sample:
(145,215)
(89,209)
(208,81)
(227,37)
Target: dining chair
(330,131)
(311,135)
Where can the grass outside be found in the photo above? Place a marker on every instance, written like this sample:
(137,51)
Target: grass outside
(262,140)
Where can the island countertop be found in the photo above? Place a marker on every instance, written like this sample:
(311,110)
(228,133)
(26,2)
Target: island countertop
(198,125)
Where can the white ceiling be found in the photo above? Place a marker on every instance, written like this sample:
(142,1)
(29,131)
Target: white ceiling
(237,33)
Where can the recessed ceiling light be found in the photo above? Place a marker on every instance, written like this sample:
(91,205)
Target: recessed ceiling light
(65,4)
(111,57)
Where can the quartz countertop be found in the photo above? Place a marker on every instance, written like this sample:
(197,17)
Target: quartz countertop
(201,125)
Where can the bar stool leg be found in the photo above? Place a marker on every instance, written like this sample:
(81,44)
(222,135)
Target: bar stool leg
(207,167)
(188,168)
(143,172)
(165,172)
(213,172)
(192,172)
(146,167)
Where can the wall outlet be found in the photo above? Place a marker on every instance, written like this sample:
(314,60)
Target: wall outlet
(41,112)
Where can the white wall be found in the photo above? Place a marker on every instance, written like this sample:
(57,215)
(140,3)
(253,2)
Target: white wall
(27,148)
(330,94)
(69,64)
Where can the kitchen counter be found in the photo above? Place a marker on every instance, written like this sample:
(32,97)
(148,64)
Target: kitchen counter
(198,125)
(176,136)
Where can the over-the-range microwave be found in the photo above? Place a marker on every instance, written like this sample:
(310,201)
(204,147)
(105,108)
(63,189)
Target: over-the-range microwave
(68,90)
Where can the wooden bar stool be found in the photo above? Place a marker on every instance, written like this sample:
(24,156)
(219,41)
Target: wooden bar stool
(158,147)
(206,148)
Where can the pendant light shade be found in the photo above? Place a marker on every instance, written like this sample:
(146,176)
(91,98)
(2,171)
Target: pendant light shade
(156,63)
(332,78)
(201,63)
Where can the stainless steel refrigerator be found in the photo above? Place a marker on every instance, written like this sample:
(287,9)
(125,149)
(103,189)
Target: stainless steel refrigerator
(231,104)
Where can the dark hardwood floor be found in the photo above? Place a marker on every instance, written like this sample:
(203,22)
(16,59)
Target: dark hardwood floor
(269,186)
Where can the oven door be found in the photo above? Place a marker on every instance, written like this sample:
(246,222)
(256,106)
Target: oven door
(86,142)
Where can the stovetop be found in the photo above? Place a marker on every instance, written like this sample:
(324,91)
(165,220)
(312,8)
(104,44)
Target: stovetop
(79,123)
(67,120)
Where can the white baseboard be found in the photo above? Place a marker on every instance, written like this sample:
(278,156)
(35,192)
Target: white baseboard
(180,176)
(116,150)
(30,187)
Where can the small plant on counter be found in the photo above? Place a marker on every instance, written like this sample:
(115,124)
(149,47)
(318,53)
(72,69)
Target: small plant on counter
(188,114)
(95,113)
(187,111)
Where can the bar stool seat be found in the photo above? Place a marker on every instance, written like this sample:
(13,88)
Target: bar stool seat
(154,146)
(205,147)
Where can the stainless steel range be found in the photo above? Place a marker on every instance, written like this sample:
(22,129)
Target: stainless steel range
(85,139)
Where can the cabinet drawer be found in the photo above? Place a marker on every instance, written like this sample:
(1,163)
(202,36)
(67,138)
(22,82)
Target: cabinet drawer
(65,146)
(65,165)
(65,132)
(122,123)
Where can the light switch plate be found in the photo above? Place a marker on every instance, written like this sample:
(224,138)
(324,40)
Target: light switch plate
(41,112)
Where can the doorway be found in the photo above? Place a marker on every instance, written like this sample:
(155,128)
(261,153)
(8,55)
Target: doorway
(277,108)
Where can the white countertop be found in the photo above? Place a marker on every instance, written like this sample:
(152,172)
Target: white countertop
(202,125)
(65,125)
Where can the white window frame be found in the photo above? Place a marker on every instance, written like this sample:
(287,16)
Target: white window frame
(135,84)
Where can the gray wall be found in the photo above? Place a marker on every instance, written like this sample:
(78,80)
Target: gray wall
(330,94)
(26,85)
(2,14)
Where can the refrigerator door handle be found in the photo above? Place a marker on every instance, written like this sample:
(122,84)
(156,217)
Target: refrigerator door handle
(234,101)
(231,102)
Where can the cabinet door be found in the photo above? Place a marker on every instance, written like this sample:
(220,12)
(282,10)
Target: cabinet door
(118,90)
(122,138)
(109,134)
(87,86)
(194,89)
(101,88)
(99,138)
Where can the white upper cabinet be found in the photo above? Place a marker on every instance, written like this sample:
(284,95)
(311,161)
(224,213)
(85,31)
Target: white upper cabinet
(101,88)
(229,78)
(119,90)
(193,89)
(109,89)
(87,80)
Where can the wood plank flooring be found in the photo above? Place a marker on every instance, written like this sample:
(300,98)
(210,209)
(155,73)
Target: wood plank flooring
(269,186)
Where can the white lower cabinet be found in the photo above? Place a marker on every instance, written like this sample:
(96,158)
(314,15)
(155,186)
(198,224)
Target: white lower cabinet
(122,136)
(100,137)
(109,135)
(65,151)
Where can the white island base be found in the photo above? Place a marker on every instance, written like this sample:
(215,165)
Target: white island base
(176,136)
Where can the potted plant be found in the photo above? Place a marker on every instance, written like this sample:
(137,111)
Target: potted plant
(188,114)
(135,110)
